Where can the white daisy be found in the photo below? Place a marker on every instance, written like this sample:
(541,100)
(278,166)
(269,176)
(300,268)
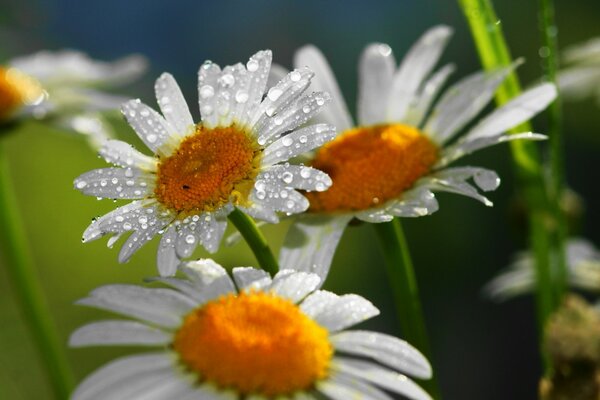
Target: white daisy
(583,264)
(580,77)
(251,338)
(390,163)
(62,83)
(235,157)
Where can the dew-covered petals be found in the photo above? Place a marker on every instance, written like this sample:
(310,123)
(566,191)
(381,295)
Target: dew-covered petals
(337,113)
(385,349)
(341,312)
(187,236)
(143,233)
(295,176)
(248,278)
(173,105)
(166,256)
(149,125)
(212,229)
(518,110)
(208,74)
(278,197)
(258,67)
(414,68)
(116,183)
(310,243)
(163,307)
(416,202)
(316,302)
(298,142)
(209,279)
(120,370)
(381,377)
(114,332)
(295,286)
(463,101)
(428,93)
(125,155)
(343,387)
(510,284)
(454,180)
(231,87)
(375,71)
(375,215)
(260,211)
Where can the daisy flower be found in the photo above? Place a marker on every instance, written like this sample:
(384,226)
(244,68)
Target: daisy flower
(250,338)
(580,78)
(62,83)
(583,264)
(392,161)
(236,156)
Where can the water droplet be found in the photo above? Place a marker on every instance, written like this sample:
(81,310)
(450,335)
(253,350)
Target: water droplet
(283,194)
(252,65)
(306,109)
(129,172)
(127,226)
(132,113)
(278,121)
(144,112)
(130,182)
(206,110)
(384,49)
(190,239)
(206,91)
(487,180)
(81,184)
(303,139)
(227,80)
(287,141)
(544,51)
(270,111)
(241,96)
(287,177)
(119,218)
(261,194)
(320,101)
(114,181)
(274,93)
(151,138)
(320,187)
(290,204)
(305,173)
(295,76)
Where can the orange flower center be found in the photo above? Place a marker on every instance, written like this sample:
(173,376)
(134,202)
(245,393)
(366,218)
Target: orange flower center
(16,89)
(210,168)
(255,343)
(371,165)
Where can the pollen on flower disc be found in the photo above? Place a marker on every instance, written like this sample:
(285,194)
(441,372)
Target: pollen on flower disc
(371,165)
(255,342)
(208,169)
(16,90)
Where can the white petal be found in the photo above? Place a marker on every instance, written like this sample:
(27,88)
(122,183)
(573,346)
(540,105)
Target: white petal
(416,202)
(166,257)
(384,349)
(281,96)
(453,180)
(277,73)
(187,237)
(382,377)
(261,212)
(292,117)
(344,387)
(173,105)
(258,73)
(337,113)
(518,110)
(415,67)
(212,229)
(465,147)
(150,126)
(109,333)
(248,278)
(140,236)
(94,386)
(510,283)
(294,176)
(375,215)
(208,74)
(116,183)
(209,279)
(294,286)
(124,155)
(431,88)
(375,71)
(231,87)
(163,307)
(310,243)
(270,196)
(463,101)
(298,142)
(338,313)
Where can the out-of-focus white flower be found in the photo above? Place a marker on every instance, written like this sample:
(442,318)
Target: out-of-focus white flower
(583,263)
(391,162)
(580,77)
(236,156)
(252,337)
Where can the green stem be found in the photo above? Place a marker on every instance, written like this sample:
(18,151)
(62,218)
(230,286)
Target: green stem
(255,239)
(406,292)
(493,52)
(549,55)
(21,272)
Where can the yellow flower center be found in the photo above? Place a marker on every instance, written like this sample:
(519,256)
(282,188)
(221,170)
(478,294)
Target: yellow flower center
(16,89)
(254,342)
(371,165)
(210,168)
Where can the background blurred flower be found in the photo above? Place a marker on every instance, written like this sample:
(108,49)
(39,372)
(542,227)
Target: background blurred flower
(580,77)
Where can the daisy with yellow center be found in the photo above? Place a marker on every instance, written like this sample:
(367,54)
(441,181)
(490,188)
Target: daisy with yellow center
(391,163)
(250,338)
(236,156)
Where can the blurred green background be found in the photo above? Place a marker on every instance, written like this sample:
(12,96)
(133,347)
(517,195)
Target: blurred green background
(481,349)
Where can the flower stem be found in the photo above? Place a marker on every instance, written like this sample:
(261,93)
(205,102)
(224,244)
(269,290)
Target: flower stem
(21,272)
(406,292)
(255,239)
(493,51)
(549,55)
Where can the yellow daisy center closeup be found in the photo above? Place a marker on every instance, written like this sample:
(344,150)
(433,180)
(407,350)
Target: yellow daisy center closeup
(210,168)
(254,342)
(371,165)
(16,89)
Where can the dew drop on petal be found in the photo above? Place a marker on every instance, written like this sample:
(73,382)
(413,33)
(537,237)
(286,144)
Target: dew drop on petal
(305,173)
(290,204)
(81,184)
(287,177)
(487,180)
(252,65)
(151,138)
(274,93)
(261,194)
(207,91)
(287,141)
(241,96)
(295,76)
(190,239)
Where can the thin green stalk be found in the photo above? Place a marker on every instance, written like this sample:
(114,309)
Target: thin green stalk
(21,272)
(549,55)
(255,239)
(406,292)
(493,52)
